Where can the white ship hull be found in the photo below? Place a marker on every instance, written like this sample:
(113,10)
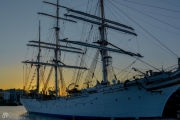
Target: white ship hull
(113,102)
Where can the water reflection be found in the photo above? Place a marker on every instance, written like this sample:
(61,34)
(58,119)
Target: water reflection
(19,113)
(27,116)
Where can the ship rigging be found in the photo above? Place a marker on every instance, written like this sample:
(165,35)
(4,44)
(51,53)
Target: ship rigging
(102,94)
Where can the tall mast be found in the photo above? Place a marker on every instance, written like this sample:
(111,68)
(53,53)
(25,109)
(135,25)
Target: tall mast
(55,47)
(103,38)
(38,59)
(56,51)
(103,43)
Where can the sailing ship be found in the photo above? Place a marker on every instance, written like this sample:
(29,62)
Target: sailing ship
(143,96)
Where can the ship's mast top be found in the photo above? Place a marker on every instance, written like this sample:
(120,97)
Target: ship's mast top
(102,10)
(103,42)
(38,59)
(55,47)
(56,51)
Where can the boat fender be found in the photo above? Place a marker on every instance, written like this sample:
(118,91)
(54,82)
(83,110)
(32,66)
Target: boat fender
(125,84)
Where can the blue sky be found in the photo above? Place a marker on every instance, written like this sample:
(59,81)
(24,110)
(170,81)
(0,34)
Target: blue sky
(19,20)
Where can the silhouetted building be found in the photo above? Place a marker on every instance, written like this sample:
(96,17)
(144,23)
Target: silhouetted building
(13,94)
(1,94)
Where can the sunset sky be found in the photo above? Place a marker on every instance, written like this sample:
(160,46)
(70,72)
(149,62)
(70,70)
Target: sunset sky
(19,24)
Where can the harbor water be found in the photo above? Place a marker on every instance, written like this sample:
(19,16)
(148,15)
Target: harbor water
(20,113)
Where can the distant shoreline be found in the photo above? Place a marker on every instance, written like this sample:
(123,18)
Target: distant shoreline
(8,103)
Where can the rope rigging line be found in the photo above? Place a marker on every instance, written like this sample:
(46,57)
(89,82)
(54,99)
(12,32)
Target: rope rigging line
(144,29)
(45,54)
(91,71)
(128,11)
(146,63)
(170,3)
(80,5)
(122,41)
(158,19)
(27,76)
(45,57)
(152,6)
(83,57)
(127,74)
(32,79)
(83,38)
(111,13)
(145,15)
(155,43)
(61,83)
(138,44)
(78,55)
(47,80)
(155,26)
(110,72)
(125,69)
(144,11)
